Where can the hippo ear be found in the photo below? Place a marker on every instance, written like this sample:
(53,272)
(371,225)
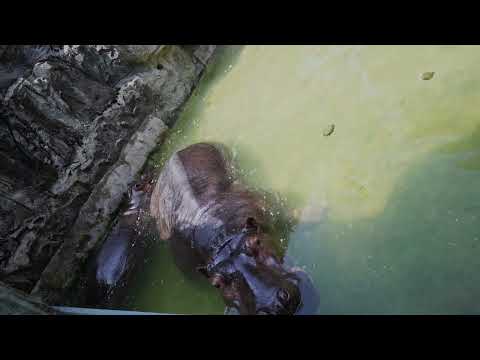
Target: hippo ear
(251,224)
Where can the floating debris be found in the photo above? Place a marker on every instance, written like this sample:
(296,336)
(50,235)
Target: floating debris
(329,130)
(428,75)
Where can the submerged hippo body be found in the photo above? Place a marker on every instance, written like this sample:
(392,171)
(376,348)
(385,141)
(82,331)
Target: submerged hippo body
(221,227)
(120,254)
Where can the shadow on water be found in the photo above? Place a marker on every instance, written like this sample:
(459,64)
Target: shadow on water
(225,57)
(223,61)
(419,256)
(468,148)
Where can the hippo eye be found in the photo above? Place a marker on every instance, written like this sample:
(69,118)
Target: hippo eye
(283,295)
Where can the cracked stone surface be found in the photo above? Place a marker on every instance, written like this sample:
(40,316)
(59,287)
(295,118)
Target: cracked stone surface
(77,123)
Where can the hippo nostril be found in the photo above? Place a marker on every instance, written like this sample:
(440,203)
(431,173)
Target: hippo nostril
(283,295)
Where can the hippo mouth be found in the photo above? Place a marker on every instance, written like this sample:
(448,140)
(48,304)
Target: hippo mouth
(308,301)
(268,287)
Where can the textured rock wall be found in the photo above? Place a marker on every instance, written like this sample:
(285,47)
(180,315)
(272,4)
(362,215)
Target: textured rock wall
(77,123)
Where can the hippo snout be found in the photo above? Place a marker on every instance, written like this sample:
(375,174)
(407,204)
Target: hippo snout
(285,301)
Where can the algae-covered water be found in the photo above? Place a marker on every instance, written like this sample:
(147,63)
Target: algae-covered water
(377,151)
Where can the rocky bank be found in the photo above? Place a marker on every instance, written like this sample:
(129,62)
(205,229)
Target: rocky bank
(77,123)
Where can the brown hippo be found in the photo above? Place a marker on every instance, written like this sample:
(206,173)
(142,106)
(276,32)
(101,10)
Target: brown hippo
(221,227)
(215,227)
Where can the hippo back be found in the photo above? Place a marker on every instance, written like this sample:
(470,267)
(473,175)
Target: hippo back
(185,185)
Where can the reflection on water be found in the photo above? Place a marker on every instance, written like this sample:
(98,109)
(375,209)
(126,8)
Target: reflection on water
(386,206)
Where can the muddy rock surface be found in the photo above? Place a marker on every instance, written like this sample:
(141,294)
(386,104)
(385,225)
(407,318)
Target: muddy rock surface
(77,123)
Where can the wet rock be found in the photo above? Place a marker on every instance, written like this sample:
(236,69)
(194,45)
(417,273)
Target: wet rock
(14,302)
(140,53)
(203,53)
(51,110)
(76,125)
(172,81)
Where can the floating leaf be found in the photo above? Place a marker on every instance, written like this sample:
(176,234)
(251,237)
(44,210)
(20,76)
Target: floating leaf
(427,75)
(329,130)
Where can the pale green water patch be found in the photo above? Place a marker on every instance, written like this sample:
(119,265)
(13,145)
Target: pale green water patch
(387,204)
(164,288)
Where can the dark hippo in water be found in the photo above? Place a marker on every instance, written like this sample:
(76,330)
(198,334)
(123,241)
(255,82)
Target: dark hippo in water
(221,228)
(122,252)
(215,227)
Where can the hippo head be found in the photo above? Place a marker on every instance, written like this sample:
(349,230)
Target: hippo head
(253,280)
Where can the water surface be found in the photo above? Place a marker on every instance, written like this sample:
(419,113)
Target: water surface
(387,205)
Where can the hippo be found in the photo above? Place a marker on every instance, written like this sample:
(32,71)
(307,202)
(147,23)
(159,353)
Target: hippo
(216,228)
(114,264)
(221,227)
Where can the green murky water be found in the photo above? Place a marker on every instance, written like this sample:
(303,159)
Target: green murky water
(387,204)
